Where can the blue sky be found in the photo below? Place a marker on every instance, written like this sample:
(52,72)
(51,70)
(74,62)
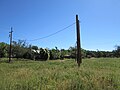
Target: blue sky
(31,19)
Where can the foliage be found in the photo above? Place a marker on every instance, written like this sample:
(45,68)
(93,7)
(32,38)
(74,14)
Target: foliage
(117,51)
(35,47)
(55,54)
(72,52)
(21,49)
(63,53)
(3,50)
(44,54)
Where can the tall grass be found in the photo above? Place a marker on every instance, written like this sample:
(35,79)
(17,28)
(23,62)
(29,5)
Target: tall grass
(94,74)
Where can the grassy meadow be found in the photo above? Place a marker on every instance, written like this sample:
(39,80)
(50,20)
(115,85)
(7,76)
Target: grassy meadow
(94,74)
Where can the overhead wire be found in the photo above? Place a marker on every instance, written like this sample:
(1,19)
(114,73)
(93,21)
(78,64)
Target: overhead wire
(50,34)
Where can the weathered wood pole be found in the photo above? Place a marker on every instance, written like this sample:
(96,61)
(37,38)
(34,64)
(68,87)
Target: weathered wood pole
(10,50)
(79,56)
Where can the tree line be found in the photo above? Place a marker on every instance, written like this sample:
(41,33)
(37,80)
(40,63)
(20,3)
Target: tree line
(21,49)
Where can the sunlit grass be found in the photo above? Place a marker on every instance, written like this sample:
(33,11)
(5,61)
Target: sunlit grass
(94,74)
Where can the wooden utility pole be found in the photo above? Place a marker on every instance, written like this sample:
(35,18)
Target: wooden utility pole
(79,56)
(10,50)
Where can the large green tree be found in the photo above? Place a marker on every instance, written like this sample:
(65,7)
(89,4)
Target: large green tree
(117,51)
(3,49)
(19,48)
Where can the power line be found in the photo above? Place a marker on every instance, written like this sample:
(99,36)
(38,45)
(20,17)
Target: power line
(50,34)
